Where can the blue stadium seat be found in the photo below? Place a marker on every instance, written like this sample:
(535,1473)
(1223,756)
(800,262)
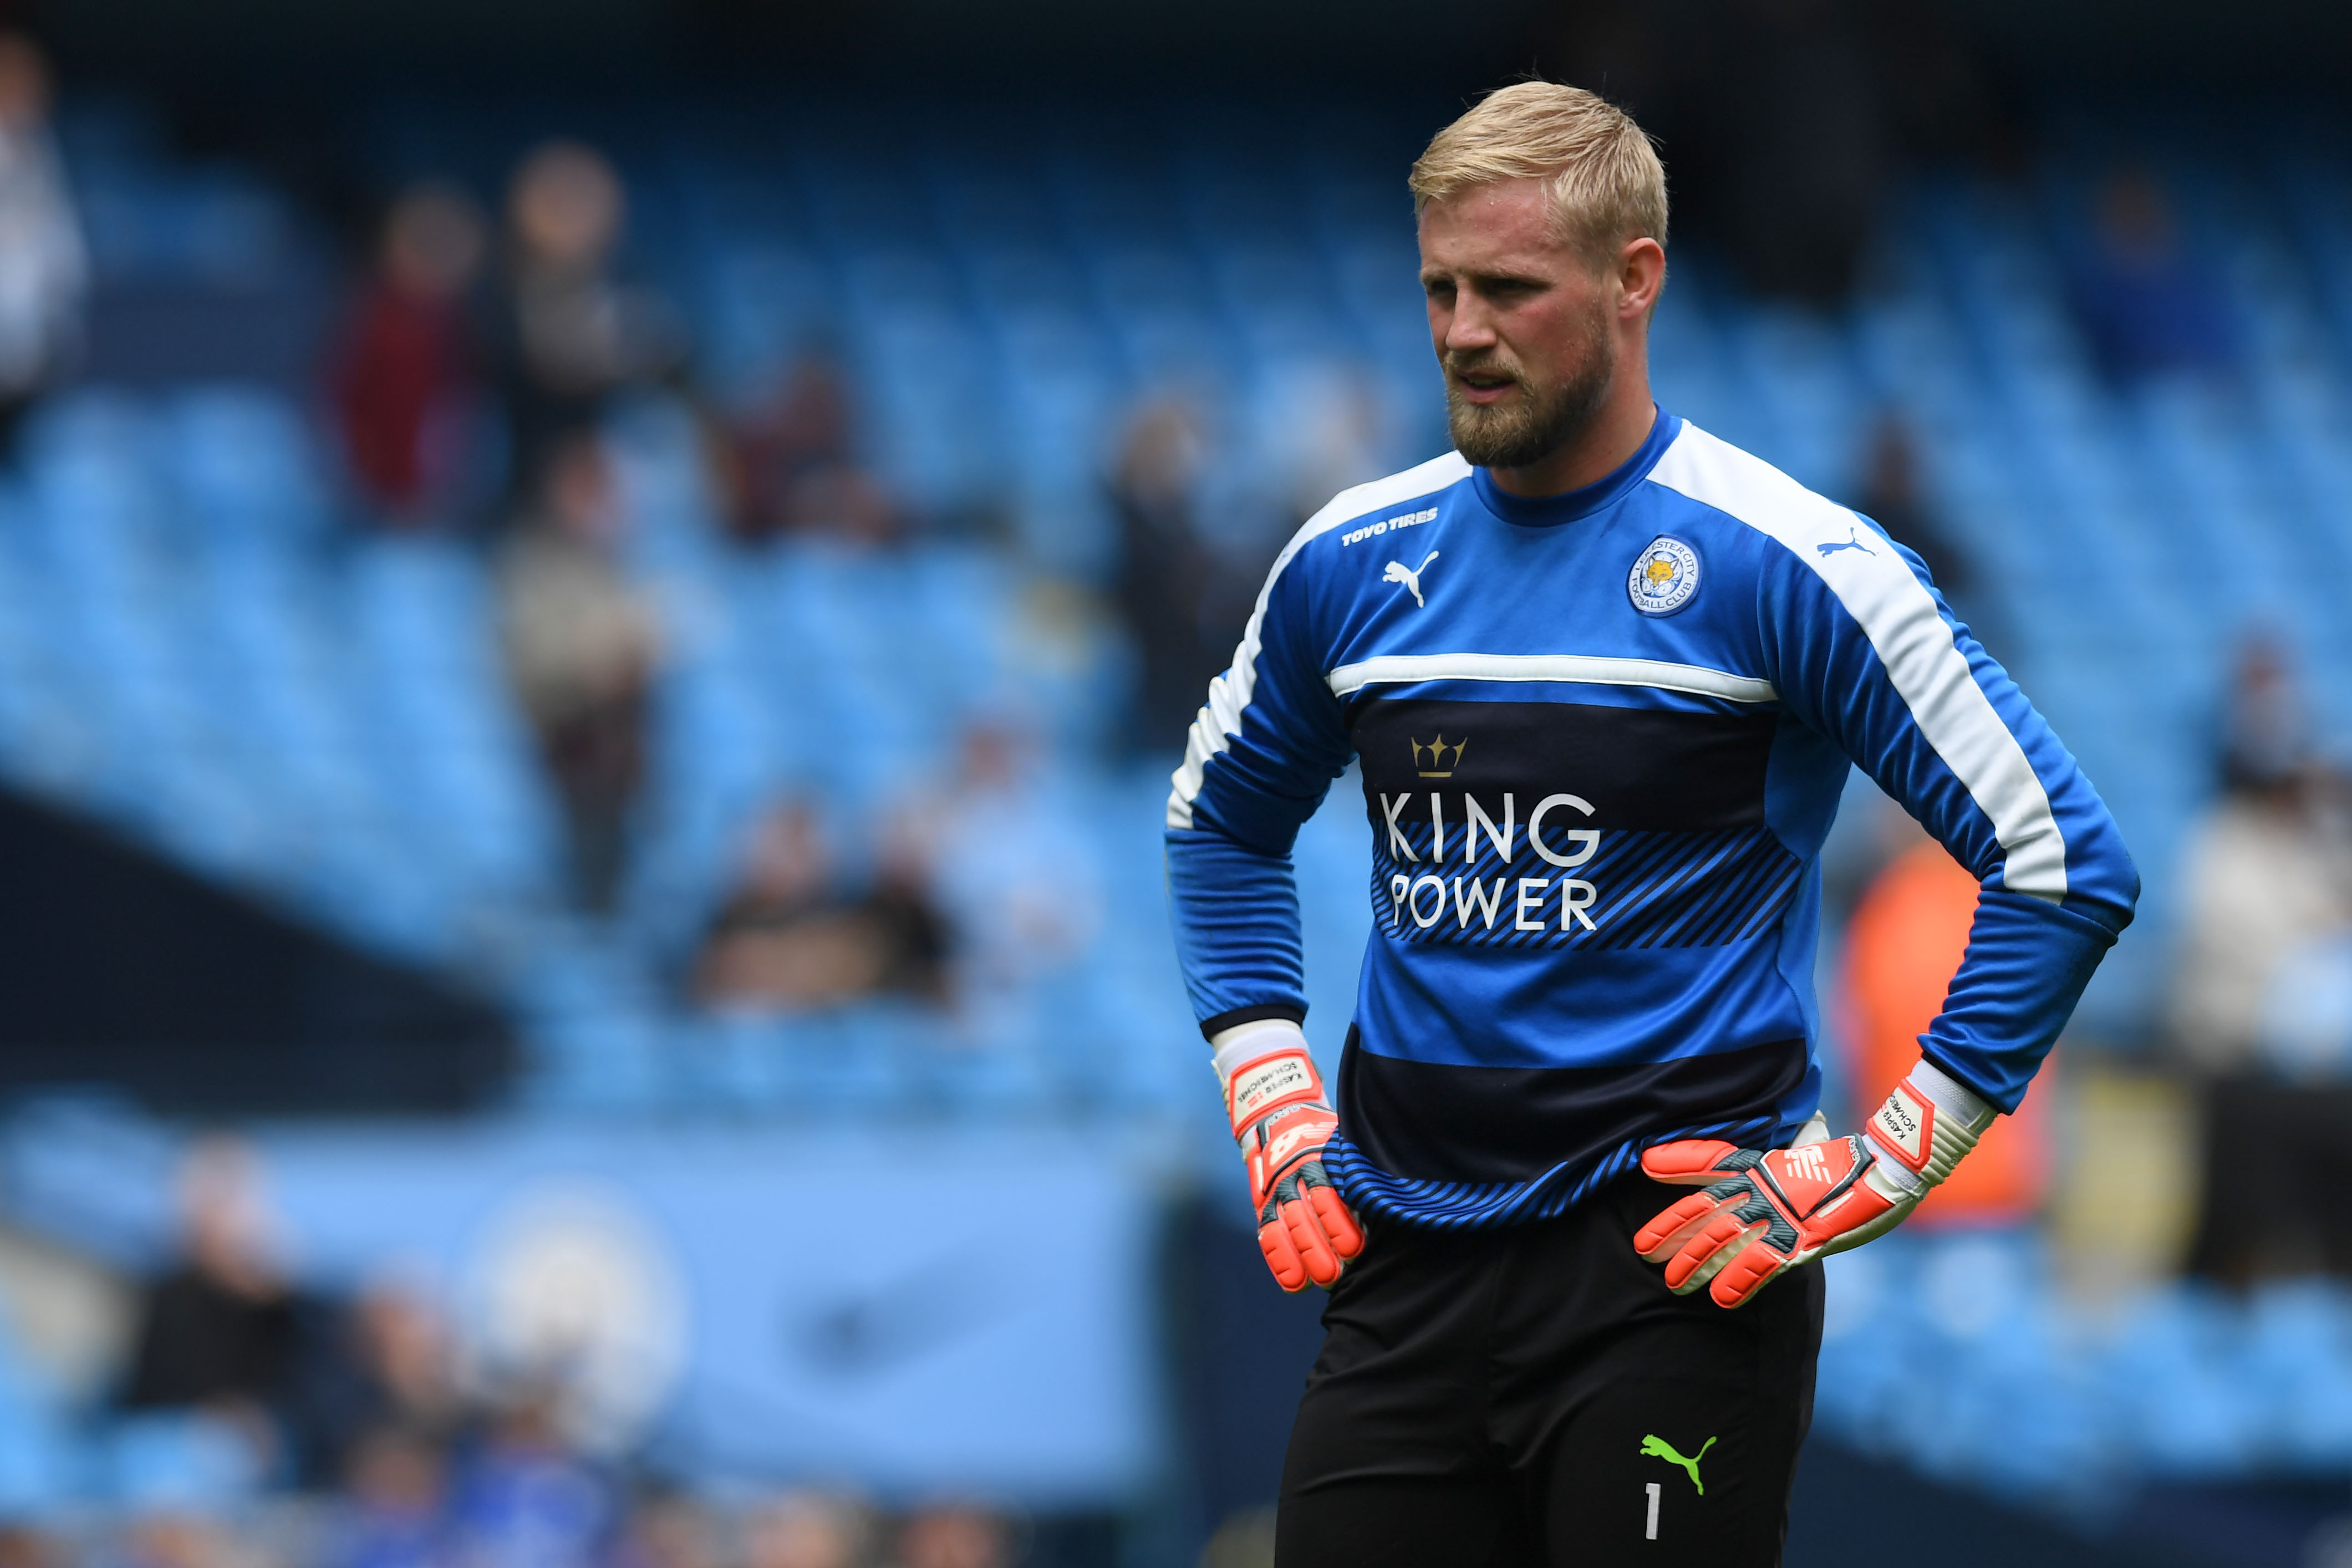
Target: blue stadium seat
(191,648)
(187,644)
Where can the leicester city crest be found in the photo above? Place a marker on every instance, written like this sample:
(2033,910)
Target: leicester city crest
(1664,576)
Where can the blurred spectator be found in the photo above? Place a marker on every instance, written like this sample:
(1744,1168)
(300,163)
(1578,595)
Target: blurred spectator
(794,469)
(403,1349)
(392,1514)
(44,269)
(1323,428)
(806,1529)
(953,1537)
(2270,866)
(1892,497)
(298,1377)
(407,362)
(179,1539)
(1166,574)
(841,501)
(2148,306)
(670,1530)
(22,1546)
(1330,436)
(1902,947)
(582,645)
(381,1362)
(2269,873)
(1893,494)
(571,332)
(1020,891)
(525,1499)
(792,939)
(221,1328)
(2265,733)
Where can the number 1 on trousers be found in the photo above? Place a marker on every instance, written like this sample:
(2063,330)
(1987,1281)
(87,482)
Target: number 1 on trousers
(1652,1533)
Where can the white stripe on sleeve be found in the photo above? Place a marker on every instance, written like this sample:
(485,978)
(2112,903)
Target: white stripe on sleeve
(1229,694)
(1898,616)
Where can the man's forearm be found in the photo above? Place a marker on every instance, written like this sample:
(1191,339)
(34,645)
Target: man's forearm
(1237,936)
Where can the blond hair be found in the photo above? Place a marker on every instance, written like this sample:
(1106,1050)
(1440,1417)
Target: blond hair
(1607,185)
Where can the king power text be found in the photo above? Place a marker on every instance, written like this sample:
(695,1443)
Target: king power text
(1532,904)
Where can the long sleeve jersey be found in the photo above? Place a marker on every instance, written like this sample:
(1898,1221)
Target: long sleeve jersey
(1602,736)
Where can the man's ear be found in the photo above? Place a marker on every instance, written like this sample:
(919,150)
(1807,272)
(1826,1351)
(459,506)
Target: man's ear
(1641,276)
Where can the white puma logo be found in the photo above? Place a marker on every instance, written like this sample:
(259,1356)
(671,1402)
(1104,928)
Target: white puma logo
(1410,576)
(1851,544)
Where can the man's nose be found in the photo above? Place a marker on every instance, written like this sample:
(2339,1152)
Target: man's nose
(1471,326)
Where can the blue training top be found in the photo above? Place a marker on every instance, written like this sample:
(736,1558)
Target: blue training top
(1603,735)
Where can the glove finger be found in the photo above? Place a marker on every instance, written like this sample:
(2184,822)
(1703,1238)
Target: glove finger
(1339,1222)
(1281,1254)
(1692,1162)
(1737,1282)
(1314,1249)
(1716,1244)
(1671,1228)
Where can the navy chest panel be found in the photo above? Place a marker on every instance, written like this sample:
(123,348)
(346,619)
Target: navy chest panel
(1555,824)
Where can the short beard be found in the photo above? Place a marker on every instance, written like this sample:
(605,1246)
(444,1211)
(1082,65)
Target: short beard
(1540,421)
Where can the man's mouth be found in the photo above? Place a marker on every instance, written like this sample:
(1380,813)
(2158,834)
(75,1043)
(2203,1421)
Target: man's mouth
(1483,386)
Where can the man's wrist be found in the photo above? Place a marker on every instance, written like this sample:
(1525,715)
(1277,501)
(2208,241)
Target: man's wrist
(1893,1180)
(1265,1067)
(1953,1098)
(1928,1121)
(1246,1042)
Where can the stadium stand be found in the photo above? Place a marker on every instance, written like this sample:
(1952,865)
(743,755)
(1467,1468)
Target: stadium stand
(204,651)
(199,646)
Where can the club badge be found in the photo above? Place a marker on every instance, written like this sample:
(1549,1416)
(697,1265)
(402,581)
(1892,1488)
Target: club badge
(1664,576)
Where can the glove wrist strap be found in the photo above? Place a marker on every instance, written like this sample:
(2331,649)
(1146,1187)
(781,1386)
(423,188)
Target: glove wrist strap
(1893,1180)
(1954,1098)
(1929,1121)
(1267,1069)
(1244,1042)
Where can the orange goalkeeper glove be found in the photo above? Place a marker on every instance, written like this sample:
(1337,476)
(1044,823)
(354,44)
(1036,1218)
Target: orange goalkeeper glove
(1275,1099)
(1764,1211)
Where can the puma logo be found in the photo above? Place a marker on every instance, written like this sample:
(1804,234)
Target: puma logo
(1659,1448)
(1410,576)
(1851,544)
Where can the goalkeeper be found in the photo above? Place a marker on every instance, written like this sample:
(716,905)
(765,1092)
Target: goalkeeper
(1605,675)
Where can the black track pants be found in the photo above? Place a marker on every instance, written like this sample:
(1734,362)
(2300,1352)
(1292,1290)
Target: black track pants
(1535,1397)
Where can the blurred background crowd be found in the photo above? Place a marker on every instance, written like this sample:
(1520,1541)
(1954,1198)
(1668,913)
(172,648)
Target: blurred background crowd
(595,610)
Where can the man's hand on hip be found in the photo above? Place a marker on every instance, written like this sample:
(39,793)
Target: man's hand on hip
(1281,1118)
(1767,1210)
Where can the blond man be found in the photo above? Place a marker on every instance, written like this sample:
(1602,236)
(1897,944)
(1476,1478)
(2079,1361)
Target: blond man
(1605,675)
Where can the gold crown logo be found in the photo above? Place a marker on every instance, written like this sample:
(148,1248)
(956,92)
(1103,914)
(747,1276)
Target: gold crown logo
(1438,767)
